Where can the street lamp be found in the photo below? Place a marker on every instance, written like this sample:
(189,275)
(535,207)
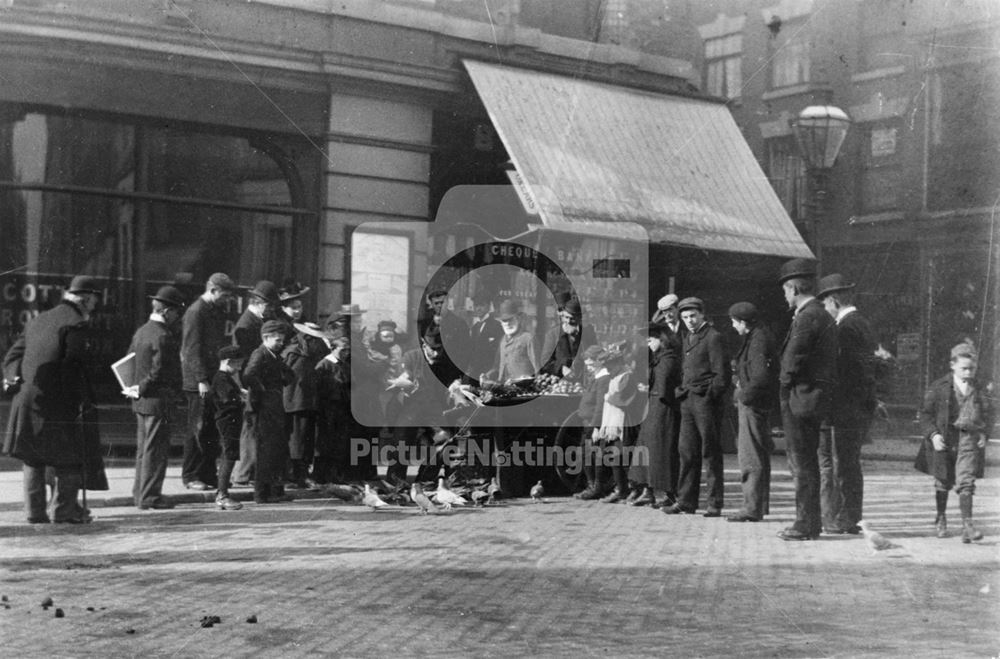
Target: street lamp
(819,131)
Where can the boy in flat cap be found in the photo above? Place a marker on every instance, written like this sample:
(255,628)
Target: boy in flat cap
(853,406)
(756,393)
(158,383)
(955,420)
(265,377)
(807,376)
(703,384)
(228,399)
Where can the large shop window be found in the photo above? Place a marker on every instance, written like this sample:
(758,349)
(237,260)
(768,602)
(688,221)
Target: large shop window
(136,205)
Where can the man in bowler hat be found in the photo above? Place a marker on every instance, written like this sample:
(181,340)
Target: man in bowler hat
(158,382)
(51,422)
(853,406)
(807,377)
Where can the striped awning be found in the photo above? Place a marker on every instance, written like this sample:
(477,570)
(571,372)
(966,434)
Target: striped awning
(595,155)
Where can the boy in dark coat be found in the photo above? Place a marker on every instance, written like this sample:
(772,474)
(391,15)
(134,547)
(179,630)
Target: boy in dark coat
(228,399)
(336,424)
(756,380)
(265,378)
(306,350)
(955,420)
(589,411)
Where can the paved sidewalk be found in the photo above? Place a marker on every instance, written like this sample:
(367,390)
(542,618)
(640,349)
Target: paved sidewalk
(564,578)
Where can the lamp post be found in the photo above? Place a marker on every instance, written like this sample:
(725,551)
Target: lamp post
(819,132)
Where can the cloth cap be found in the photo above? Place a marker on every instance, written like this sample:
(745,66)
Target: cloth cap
(169,295)
(691,303)
(84,284)
(572,307)
(432,337)
(265,290)
(832,284)
(273,327)
(222,280)
(964,350)
(509,309)
(666,301)
(386,325)
(593,352)
(743,311)
(797,269)
(230,352)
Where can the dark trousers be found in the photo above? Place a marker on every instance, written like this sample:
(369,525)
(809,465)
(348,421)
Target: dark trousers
(301,442)
(152,444)
(699,440)
(802,438)
(201,446)
(672,450)
(754,447)
(841,481)
(68,482)
(247,465)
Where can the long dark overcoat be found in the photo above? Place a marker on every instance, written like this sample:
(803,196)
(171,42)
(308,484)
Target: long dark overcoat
(657,431)
(53,419)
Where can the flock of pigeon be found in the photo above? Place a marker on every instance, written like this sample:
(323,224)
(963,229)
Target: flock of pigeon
(445,497)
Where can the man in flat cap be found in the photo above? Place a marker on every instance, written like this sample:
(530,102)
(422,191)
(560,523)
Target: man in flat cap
(853,406)
(704,380)
(667,312)
(158,383)
(562,349)
(52,421)
(756,393)
(807,377)
(261,302)
(203,333)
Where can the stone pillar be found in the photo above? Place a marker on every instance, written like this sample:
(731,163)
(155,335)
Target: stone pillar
(377,170)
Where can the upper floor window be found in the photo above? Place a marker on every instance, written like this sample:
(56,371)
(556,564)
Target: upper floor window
(790,63)
(881,173)
(724,65)
(787,173)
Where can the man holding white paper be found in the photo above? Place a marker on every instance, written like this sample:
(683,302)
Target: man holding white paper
(158,384)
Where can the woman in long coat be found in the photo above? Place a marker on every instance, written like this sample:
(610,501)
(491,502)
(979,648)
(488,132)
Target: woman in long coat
(657,429)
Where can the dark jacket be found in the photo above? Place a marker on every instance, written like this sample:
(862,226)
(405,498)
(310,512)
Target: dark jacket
(559,350)
(937,415)
(854,395)
(809,362)
(757,369)
(157,368)
(246,335)
(484,342)
(705,370)
(226,399)
(203,333)
(265,373)
(53,418)
(302,356)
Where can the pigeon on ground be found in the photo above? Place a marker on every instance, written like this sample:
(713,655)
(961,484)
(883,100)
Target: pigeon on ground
(876,541)
(493,490)
(419,498)
(446,497)
(343,492)
(372,500)
(537,492)
(479,497)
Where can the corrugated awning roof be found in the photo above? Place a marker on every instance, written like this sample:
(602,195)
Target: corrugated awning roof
(593,153)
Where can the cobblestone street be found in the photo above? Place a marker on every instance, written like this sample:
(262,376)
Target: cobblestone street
(563,578)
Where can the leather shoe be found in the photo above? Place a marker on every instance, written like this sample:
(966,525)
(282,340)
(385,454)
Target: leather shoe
(644,499)
(157,504)
(73,520)
(38,520)
(794,534)
(712,512)
(742,517)
(196,485)
(854,530)
(676,509)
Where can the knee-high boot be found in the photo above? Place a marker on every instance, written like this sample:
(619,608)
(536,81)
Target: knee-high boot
(941,523)
(969,532)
